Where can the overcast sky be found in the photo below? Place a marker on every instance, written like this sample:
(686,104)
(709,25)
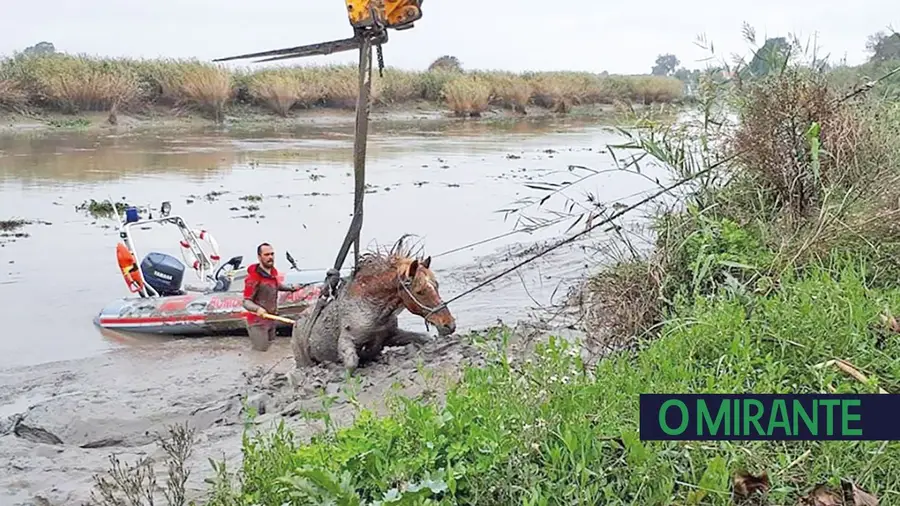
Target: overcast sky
(619,37)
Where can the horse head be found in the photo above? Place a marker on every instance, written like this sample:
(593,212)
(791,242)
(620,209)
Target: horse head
(419,294)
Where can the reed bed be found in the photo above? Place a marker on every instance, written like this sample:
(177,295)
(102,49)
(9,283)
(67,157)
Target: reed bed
(77,83)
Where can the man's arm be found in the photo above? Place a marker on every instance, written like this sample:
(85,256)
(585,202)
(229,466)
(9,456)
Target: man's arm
(287,288)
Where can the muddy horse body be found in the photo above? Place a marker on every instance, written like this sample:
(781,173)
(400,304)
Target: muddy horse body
(362,319)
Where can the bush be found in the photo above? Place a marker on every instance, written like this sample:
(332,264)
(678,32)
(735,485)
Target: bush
(467,96)
(281,90)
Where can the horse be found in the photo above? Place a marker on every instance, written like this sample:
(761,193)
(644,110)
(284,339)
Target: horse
(361,320)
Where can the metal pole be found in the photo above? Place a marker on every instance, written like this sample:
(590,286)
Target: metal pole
(359,153)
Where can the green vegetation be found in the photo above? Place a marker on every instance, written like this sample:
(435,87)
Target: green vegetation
(102,209)
(551,431)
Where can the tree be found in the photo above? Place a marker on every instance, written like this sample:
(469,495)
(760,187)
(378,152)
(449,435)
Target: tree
(665,65)
(883,47)
(40,49)
(771,56)
(446,62)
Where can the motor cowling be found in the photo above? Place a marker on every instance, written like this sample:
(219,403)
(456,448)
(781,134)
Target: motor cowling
(163,272)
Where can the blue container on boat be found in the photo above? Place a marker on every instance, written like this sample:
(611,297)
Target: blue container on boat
(131,214)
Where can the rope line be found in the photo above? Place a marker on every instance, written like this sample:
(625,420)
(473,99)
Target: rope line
(586,231)
(867,86)
(528,229)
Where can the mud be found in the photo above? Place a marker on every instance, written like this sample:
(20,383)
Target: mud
(78,413)
(71,395)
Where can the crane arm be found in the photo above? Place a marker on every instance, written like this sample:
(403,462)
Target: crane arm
(369,18)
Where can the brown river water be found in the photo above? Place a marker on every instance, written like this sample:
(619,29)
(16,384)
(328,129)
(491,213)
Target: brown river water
(75,387)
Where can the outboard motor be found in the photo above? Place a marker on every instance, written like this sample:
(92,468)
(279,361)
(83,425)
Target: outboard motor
(164,273)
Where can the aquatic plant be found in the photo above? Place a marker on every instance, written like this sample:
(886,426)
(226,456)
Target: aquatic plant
(12,225)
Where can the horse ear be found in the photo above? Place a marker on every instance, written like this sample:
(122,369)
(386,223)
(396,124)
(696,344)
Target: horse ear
(427,263)
(413,267)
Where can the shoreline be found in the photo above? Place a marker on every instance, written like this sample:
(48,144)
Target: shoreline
(252,119)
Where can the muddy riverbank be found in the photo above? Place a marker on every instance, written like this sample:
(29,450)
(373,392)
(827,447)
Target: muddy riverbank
(70,395)
(247,118)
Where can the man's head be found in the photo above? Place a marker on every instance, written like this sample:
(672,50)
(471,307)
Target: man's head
(266,255)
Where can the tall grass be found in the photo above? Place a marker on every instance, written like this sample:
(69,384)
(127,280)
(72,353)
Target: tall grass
(12,97)
(468,95)
(187,84)
(76,83)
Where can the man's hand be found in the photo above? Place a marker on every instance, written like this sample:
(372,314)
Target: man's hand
(260,312)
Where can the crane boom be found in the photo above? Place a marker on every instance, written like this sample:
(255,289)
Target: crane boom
(369,19)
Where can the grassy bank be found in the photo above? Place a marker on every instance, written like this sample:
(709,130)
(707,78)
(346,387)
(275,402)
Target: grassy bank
(775,271)
(550,431)
(77,84)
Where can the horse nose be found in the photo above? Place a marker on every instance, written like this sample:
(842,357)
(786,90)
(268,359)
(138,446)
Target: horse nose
(450,328)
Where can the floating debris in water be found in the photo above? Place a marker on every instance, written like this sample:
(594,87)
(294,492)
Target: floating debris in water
(102,209)
(213,195)
(10,225)
(9,229)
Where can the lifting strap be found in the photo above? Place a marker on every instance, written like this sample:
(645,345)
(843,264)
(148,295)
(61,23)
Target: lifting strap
(363,105)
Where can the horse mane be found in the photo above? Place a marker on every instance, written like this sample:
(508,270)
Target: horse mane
(380,259)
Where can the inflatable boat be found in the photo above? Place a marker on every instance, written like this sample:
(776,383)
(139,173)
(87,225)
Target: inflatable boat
(163,303)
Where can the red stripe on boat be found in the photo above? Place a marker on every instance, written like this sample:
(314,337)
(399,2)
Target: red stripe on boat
(155,319)
(164,319)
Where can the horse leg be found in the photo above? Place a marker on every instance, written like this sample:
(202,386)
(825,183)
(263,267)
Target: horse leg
(347,351)
(369,353)
(300,344)
(402,337)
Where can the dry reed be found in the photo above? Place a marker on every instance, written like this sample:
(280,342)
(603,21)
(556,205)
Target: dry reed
(467,95)
(282,89)
(12,96)
(80,83)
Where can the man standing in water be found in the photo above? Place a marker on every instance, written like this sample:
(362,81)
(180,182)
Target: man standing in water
(261,289)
